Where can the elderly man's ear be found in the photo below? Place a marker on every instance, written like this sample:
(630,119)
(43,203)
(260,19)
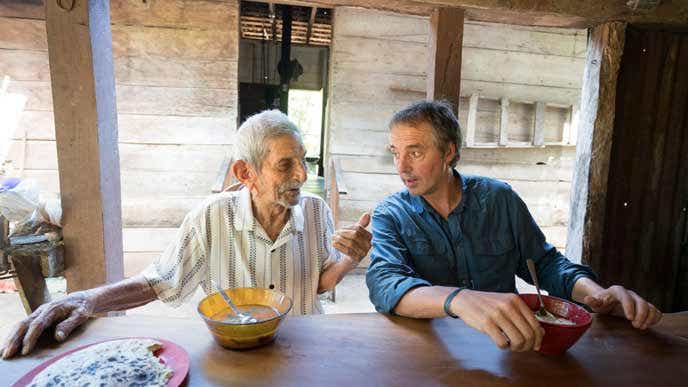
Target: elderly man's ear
(244,172)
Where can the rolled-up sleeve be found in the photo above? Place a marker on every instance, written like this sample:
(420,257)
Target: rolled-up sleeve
(329,254)
(557,274)
(175,274)
(390,274)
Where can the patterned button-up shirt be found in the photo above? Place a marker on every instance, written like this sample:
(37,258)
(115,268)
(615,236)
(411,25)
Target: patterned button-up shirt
(220,240)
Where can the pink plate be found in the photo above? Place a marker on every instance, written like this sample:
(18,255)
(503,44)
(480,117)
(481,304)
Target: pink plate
(171,355)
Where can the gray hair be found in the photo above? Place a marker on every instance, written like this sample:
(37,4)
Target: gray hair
(441,118)
(251,144)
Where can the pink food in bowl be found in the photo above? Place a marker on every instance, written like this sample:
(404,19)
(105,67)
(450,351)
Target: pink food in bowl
(558,338)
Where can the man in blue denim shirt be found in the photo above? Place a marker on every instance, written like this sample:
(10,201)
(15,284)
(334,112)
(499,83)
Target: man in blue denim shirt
(451,244)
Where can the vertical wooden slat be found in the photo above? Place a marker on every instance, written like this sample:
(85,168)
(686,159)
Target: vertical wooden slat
(472,119)
(311,20)
(539,130)
(83,87)
(444,53)
(4,231)
(568,132)
(504,122)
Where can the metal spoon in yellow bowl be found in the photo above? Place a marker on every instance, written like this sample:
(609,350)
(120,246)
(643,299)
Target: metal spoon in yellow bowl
(244,318)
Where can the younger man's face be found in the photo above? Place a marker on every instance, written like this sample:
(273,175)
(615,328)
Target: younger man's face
(419,162)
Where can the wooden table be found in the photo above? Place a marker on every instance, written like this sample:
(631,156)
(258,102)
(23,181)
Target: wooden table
(378,350)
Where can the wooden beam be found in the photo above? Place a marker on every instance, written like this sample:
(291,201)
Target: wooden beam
(472,119)
(311,20)
(539,130)
(593,150)
(83,88)
(444,54)
(504,122)
(553,13)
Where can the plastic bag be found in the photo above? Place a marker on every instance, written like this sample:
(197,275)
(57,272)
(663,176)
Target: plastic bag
(21,202)
(18,199)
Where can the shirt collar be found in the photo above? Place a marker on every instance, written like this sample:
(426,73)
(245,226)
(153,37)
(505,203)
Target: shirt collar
(244,219)
(296,218)
(468,199)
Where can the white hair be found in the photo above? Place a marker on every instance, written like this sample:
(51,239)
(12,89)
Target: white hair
(253,135)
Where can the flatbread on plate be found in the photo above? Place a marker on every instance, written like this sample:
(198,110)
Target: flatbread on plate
(128,362)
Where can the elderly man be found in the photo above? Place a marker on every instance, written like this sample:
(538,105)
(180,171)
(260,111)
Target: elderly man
(451,244)
(268,234)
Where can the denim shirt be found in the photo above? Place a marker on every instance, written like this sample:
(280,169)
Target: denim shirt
(482,245)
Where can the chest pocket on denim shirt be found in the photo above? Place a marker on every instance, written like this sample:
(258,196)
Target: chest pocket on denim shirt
(428,260)
(493,253)
(419,246)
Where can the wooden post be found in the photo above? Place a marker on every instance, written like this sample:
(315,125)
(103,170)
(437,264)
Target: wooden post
(311,21)
(83,88)
(284,66)
(539,131)
(593,151)
(504,122)
(444,45)
(572,136)
(472,119)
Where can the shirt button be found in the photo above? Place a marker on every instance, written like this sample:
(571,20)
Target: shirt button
(272,286)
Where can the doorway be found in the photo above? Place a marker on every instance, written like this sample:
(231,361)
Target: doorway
(283,64)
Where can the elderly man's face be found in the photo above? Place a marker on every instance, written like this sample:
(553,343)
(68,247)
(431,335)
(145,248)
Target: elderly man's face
(420,163)
(283,171)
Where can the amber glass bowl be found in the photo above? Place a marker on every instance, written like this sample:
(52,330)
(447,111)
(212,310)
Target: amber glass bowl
(249,335)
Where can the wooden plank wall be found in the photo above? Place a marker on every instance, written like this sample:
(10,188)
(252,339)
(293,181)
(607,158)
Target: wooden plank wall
(645,246)
(379,56)
(176,72)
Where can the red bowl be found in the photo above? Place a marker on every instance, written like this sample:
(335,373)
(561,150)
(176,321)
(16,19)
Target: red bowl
(559,338)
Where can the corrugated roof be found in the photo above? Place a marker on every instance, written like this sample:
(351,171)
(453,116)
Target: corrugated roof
(257,23)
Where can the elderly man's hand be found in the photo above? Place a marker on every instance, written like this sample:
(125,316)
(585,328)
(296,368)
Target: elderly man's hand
(70,312)
(354,240)
(504,317)
(619,301)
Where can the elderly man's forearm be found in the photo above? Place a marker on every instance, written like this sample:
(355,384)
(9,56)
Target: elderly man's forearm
(335,272)
(126,294)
